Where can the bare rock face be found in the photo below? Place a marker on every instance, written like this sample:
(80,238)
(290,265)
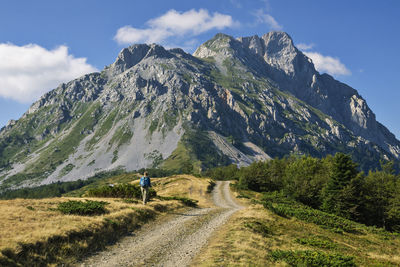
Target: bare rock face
(232,101)
(336,99)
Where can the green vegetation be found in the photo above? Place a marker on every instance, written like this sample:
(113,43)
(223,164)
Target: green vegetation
(318,242)
(153,126)
(57,189)
(44,191)
(119,191)
(77,207)
(312,258)
(304,213)
(19,178)
(67,169)
(170,119)
(188,78)
(222,173)
(20,139)
(115,156)
(105,126)
(328,191)
(194,153)
(121,136)
(60,149)
(259,227)
(210,186)
(156,157)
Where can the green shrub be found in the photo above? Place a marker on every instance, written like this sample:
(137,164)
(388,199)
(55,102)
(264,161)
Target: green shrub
(317,242)
(312,258)
(210,186)
(304,179)
(286,207)
(89,207)
(230,172)
(263,176)
(45,191)
(119,191)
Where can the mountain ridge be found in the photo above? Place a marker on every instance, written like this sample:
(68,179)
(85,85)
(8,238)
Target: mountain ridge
(233,100)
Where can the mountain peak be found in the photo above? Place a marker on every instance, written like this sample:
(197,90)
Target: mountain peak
(256,96)
(130,56)
(220,43)
(278,51)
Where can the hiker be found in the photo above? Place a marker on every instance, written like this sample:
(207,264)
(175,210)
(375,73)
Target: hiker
(145,184)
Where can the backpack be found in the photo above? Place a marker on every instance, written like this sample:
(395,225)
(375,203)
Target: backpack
(144,181)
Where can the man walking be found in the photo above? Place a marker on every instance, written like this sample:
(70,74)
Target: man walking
(145,184)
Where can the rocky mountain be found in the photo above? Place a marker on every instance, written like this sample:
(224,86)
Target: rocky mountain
(232,101)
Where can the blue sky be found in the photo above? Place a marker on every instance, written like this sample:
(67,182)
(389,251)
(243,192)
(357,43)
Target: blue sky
(43,43)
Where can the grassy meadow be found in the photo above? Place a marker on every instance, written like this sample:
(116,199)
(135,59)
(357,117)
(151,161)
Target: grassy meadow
(35,232)
(257,236)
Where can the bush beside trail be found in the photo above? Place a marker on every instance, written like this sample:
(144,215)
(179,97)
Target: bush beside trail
(89,207)
(119,191)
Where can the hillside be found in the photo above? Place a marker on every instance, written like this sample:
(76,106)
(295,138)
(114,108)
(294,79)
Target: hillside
(232,101)
(37,233)
(261,231)
(260,237)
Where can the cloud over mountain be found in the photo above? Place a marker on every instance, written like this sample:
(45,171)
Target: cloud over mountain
(174,23)
(328,64)
(27,72)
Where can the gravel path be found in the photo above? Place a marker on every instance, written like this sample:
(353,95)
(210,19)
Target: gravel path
(174,242)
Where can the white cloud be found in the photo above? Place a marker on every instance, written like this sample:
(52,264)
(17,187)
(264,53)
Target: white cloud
(29,71)
(304,47)
(328,64)
(174,23)
(264,17)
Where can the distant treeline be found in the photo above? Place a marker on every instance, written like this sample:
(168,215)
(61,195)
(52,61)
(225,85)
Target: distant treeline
(332,184)
(59,188)
(55,189)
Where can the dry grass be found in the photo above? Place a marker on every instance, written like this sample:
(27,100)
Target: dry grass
(32,220)
(183,186)
(34,223)
(237,244)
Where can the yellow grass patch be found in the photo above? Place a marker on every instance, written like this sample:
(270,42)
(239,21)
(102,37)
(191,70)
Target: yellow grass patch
(240,243)
(35,225)
(32,220)
(183,186)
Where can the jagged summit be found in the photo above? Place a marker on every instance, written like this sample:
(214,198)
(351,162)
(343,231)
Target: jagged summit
(232,101)
(278,50)
(130,56)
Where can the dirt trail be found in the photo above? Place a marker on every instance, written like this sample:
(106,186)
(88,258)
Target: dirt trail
(174,242)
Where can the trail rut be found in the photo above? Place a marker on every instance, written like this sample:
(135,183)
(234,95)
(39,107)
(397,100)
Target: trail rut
(174,242)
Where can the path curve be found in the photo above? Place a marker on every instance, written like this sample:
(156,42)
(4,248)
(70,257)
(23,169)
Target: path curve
(174,242)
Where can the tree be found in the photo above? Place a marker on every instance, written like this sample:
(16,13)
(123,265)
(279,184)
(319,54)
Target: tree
(304,179)
(336,199)
(393,209)
(263,176)
(380,197)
